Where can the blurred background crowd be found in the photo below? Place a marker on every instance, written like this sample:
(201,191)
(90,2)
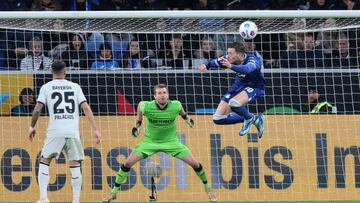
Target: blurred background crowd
(35,50)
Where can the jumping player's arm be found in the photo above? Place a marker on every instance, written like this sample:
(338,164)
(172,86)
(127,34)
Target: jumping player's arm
(247,68)
(139,117)
(90,116)
(215,63)
(34,119)
(184,115)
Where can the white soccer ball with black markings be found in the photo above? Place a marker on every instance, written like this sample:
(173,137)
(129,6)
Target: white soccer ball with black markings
(153,169)
(248,30)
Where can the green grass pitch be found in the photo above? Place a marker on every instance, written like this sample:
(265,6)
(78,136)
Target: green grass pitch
(342,201)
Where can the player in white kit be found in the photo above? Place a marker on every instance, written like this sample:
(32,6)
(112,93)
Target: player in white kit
(63,99)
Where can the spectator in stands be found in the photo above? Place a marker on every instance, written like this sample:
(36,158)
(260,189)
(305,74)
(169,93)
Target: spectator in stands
(27,103)
(346,5)
(318,104)
(344,57)
(222,40)
(206,52)
(200,5)
(119,43)
(17,42)
(156,42)
(105,59)
(326,40)
(46,5)
(134,58)
(119,5)
(247,5)
(81,5)
(35,59)
(55,41)
(288,57)
(283,4)
(93,42)
(76,56)
(313,54)
(15,5)
(152,5)
(321,5)
(191,41)
(176,57)
(308,56)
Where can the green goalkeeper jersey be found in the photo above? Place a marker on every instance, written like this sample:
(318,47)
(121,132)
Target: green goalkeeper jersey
(160,123)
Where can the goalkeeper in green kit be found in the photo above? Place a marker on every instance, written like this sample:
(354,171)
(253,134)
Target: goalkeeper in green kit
(160,136)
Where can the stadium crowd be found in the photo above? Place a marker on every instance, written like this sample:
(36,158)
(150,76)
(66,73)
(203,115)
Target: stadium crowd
(35,50)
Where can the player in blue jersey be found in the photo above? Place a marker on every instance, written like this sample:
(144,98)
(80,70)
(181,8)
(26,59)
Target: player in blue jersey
(247,87)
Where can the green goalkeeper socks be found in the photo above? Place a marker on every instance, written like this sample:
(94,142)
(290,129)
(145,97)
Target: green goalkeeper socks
(120,178)
(201,173)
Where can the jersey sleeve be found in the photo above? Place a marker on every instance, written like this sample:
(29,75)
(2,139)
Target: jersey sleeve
(42,97)
(177,104)
(143,107)
(215,63)
(81,97)
(251,65)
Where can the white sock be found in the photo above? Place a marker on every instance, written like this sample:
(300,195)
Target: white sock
(43,178)
(76,182)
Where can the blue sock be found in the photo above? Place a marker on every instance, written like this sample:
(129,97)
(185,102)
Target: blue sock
(232,118)
(242,111)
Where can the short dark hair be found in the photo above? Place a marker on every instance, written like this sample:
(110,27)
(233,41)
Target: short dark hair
(57,66)
(238,46)
(105,46)
(160,85)
(176,36)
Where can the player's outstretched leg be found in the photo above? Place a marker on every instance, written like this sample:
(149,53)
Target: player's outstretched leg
(259,123)
(243,111)
(120,177)
(230,119)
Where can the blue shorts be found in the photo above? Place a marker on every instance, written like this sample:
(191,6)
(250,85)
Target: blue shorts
(253,93)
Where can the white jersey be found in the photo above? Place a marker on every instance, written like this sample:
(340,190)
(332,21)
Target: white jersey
(63,99)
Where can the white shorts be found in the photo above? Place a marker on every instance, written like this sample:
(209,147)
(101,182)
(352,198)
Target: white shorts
(72,147)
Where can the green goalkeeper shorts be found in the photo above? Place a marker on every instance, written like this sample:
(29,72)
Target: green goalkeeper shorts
(173,148)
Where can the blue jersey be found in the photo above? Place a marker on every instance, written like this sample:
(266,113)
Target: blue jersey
(249,73)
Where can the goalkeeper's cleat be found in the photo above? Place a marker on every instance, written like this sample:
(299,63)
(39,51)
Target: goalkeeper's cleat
(43,201)
(246,126)
(109,198)
(259,124)
(211,194)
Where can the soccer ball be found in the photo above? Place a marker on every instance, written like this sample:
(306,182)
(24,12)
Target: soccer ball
(153,169)
(248,30)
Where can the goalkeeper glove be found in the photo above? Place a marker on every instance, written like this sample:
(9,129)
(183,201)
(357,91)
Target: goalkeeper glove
(136,131)
(188,120)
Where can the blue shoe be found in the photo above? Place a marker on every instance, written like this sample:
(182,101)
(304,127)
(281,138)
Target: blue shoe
(259,124)
(246,126)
